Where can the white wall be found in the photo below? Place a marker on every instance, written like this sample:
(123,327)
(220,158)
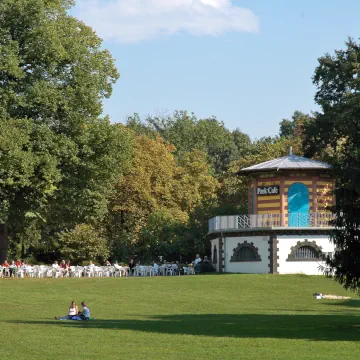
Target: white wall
(253,267)
(297,267)
(213,243)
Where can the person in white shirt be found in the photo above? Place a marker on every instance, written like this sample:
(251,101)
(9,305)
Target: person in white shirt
(55,265)
(197,264)
(85,314)
(120,268)
(156,268)
(197,260)
(73,311)
(12,268)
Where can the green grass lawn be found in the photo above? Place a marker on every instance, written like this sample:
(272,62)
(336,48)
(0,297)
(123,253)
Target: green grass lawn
(186,317)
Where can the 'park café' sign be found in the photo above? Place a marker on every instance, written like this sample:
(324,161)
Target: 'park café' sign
(268,190)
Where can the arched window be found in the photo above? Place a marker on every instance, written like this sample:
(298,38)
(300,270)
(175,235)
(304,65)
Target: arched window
(306,252)
(245,252)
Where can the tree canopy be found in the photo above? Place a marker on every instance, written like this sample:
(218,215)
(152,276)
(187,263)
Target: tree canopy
(334,134)
(59,157)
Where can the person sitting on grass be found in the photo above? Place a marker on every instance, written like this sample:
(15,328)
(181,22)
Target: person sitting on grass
(73,312)
(85,313)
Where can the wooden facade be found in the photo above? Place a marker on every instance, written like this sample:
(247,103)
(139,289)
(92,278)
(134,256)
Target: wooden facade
(319,184)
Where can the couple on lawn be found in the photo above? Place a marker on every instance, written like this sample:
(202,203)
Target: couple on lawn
(75,314)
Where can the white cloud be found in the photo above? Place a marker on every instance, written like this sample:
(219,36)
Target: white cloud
(129,21)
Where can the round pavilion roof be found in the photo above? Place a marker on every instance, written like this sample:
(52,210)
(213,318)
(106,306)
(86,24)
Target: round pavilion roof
(290,162)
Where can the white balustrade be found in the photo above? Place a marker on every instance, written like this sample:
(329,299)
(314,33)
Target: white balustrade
(236,222)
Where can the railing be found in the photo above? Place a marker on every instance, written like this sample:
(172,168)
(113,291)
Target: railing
(234,222)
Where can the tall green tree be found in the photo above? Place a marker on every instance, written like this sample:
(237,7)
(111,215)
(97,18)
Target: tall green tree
(336,130)
(54,75)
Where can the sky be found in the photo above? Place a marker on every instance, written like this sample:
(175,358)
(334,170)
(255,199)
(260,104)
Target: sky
(249,63)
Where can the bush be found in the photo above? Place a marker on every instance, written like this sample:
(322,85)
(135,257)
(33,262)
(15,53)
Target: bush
(206,267)
(83,244)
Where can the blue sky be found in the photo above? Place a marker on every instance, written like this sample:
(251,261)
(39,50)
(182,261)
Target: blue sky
(249,63)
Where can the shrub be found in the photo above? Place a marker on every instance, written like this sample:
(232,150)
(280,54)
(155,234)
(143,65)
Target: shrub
(206,267)
(83,244)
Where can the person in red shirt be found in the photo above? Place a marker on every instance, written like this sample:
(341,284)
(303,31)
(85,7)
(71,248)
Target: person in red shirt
(5,265)
(18,263)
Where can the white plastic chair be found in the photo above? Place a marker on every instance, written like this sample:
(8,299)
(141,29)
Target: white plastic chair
(148,271)
(140,271)
(118,270)
(169,270)
(155,270)
(29,271)
(98,271)
(89,271)
(20,273)
(108,271)
(79,270)
(50,272)
(162,270)
(58,273)
(42,271)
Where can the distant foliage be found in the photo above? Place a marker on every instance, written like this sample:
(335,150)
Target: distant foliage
(186,132)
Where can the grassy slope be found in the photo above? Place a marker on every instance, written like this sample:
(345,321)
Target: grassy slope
(194,317)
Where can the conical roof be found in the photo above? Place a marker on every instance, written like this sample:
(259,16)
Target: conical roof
(290,162)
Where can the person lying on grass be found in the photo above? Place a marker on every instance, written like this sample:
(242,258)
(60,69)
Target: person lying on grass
(73,312)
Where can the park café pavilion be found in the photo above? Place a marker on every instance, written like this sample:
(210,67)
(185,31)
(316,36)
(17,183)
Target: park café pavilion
(287,228)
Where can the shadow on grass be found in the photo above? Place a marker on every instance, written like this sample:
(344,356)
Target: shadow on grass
(311,327)
(351,303)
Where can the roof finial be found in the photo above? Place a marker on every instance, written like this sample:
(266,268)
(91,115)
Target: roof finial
(290,152)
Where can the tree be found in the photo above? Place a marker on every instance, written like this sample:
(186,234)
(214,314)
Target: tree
(155,191)
(82,244)
(294,127)
(54,74)
(336,129)
(52,68)
(188,133)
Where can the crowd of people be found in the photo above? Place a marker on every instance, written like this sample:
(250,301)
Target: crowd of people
(64,267)
(9,269)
